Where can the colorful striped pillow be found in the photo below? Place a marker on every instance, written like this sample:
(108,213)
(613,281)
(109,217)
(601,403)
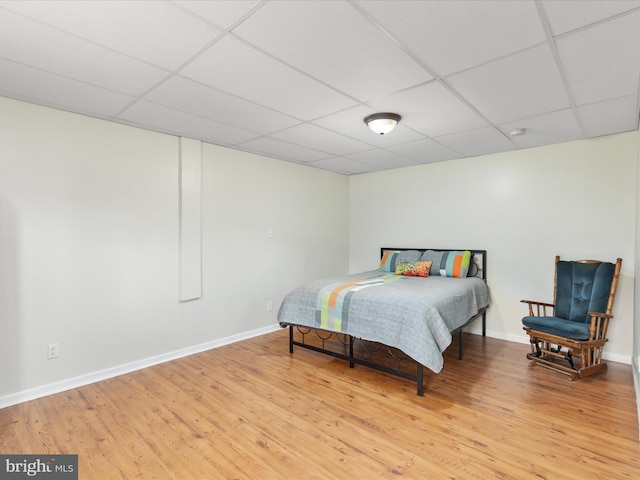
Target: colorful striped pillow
(391,258)
(455,264)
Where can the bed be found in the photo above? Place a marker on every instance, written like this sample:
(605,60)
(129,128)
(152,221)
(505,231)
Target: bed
(411,306)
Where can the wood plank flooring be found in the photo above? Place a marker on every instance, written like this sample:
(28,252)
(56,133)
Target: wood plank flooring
(253,411)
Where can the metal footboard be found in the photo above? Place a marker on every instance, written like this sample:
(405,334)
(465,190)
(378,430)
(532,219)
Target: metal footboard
(343,345)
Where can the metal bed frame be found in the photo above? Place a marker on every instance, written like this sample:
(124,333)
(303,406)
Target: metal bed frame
(347,342)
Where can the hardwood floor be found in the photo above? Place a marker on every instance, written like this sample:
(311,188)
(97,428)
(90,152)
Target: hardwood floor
(253,411)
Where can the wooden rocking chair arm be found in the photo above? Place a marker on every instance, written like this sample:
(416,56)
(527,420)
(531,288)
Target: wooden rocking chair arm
(538,309)
(599,326)
(534,302)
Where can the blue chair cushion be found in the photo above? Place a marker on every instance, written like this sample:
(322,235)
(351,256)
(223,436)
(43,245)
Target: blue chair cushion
(582,288)
(558,326)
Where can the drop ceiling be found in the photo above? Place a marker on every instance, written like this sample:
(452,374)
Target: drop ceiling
(293,80)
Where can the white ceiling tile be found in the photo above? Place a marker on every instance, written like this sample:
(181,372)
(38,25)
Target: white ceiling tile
(236,68)
(333,42)
(567,16)
(554,127)
(176,122)
(425,151)
(519,86)
(612,116)
(157,32)
(32,43)
(192,97)
(477,142)
(222,13)
(597,60)
(382,159)
(350,122)
(321,139)
(453,36)
(343,165)
(25,83)
(280,149)
(431,109)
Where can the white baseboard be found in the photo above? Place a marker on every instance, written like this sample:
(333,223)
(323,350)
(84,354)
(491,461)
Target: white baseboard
(70,383)
(524,339)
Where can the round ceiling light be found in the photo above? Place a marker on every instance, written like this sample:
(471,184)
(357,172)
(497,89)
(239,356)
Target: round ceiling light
(382,123)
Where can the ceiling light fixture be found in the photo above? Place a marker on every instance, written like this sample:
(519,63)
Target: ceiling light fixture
(382,123)
(516,132)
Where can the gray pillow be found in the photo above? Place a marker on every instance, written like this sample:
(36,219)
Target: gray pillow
(435,258)
(409,256)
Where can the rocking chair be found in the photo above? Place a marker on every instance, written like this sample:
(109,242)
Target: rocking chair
(583,294)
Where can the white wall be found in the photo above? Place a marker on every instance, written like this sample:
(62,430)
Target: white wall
(577,200)
(89,244)
(637,287)
(636,322)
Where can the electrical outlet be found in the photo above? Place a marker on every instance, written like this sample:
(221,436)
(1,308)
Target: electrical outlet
(269,306)
(53,351)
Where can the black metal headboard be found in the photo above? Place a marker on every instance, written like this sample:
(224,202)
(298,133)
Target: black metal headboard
(478,267)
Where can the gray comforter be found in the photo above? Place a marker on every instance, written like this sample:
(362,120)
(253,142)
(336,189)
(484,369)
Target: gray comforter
(414,314)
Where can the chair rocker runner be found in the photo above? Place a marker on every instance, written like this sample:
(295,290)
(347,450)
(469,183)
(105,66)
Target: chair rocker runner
(569,334)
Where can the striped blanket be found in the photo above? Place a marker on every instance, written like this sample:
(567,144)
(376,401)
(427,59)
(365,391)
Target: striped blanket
(332,311)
